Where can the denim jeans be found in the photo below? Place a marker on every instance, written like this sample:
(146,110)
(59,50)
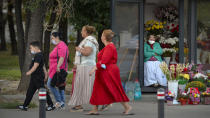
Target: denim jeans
(58,94)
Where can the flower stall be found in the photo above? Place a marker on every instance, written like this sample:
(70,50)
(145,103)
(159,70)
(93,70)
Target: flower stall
(187,82)
(163,19)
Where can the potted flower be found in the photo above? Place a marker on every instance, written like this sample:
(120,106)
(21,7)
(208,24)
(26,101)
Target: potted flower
(169,98)
(197,84)
(205,98)
(183,80)
(154,27)
(200,77)
(183,98)
(194,96)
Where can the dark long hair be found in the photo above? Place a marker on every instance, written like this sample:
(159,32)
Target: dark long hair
(57,34)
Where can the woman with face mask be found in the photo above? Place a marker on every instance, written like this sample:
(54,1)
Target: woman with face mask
(153,75)
(57,63)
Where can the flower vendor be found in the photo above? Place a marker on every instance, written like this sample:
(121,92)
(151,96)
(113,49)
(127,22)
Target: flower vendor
(153,75)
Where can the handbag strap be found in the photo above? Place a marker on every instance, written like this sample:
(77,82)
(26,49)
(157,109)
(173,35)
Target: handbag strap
(65,58)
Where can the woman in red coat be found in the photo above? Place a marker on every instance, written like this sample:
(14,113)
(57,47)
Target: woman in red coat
(107,87)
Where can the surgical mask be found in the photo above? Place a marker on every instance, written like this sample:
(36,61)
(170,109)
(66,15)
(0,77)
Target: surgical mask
(151,42)
(54,42)
(33,52)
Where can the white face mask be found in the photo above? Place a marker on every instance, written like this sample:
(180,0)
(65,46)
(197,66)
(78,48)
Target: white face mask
(33,52)
(151,42)
(54,42)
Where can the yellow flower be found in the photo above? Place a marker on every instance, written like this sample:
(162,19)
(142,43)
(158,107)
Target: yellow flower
(157,27)
(164,22)
(187,76)
(157,23)
(161,23)
(149,28)
(161,26)
(153,27)
(148,22)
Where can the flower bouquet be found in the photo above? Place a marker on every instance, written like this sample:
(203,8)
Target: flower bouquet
(169,98)
(197,84)
(172,73)
(183,80)
(154,27)
(194,68)
(167,13)
(172,76)
(168,45)
(183,98)
(200,77)
(194,96)
(205,97)
(173,30)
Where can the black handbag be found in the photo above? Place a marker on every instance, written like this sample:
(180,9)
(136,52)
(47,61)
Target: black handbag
(59,78)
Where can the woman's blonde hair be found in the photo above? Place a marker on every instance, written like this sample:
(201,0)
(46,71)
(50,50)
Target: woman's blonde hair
(90,29)
(108,34)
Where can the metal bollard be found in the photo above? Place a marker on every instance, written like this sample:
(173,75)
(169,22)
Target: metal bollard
(161,100)
(42,103)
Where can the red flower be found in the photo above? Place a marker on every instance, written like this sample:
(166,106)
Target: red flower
(168,27)
(172,25)
(185,69)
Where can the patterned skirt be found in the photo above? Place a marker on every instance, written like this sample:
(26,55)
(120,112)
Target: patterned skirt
(83,85)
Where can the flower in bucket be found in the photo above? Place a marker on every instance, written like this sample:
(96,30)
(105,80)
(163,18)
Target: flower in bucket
(183,79)
(154,27)
(174,72)
(169,96)
(183,95)
(166,71)
(168,45)
(205,94)
(200,75)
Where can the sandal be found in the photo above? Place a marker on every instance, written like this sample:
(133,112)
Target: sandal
(127,114)
(105,107)
(92,113)
(76,109)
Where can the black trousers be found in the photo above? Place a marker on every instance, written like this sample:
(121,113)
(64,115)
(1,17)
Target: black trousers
(33,87)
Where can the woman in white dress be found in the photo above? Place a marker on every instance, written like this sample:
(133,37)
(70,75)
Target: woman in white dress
(153,75)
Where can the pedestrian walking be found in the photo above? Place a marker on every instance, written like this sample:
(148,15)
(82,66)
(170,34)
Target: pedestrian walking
(85,60)
(107,87)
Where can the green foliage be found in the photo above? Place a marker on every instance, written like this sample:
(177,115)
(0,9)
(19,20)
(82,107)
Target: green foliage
(32,4)
(9,65)
(197,84)
(69,78)
(12,75)
(72,38)
(91,12)
(182,81)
